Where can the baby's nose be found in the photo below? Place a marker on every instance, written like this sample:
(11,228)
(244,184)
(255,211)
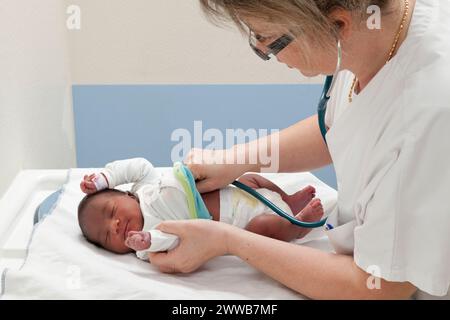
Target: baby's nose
(115,225)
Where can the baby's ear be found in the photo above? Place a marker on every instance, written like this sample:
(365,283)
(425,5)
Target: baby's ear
(131,195)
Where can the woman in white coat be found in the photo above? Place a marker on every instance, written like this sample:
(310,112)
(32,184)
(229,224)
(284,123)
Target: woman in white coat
(388,137)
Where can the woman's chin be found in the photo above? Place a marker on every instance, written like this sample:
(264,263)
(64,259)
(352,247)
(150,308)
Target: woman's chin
(309,74)
(305,73)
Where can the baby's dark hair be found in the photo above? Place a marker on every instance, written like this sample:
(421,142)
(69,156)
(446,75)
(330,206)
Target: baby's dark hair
(84,204)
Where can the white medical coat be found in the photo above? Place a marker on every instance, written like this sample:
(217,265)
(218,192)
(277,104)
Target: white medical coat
(391,151)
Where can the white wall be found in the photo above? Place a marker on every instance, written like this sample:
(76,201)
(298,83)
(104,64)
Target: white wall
(120,42)
(163,41)
(36,123)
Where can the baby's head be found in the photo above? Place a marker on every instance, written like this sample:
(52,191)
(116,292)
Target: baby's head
(107,216)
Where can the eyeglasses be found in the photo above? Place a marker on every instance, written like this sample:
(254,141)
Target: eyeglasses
(273,48)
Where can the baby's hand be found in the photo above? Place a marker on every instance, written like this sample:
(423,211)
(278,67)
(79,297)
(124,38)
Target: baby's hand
(138,240)
(93,183)
(88,185)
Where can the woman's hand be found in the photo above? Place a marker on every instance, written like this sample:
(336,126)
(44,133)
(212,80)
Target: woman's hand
(215,169)
(200,241)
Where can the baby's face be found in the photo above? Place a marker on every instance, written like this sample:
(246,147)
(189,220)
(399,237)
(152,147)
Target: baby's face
(109,219)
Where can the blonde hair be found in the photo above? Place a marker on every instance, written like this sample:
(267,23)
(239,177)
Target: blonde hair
(301,17)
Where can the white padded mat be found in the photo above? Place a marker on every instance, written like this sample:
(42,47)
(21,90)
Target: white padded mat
(62,265)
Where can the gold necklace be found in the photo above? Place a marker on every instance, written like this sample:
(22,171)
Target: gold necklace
(391,53)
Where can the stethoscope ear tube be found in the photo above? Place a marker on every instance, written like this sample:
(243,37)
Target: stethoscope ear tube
(277,210)
(326,93)
(322,107)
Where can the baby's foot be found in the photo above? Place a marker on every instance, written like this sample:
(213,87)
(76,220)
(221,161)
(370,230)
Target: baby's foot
(299,200)
(138,240)
(311,213)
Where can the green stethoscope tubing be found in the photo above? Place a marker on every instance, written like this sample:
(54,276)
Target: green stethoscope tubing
(321,111)
(277,210)
(322,107)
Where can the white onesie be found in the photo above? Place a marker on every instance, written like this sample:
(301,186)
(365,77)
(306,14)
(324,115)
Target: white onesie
(162,197)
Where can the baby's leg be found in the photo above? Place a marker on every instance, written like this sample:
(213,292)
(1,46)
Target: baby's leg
(276,227)
(296,202)
(138,240)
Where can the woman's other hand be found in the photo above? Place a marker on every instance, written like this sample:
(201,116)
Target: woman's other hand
(200,241)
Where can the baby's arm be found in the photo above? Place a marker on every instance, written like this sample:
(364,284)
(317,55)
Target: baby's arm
(135,170)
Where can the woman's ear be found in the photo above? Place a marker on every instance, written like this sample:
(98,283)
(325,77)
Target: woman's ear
(343,21)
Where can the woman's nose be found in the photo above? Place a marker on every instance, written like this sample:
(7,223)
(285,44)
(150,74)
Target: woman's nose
(261,47)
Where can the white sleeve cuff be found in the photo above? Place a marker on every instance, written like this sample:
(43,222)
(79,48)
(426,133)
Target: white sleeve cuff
(100,182)
(160,242)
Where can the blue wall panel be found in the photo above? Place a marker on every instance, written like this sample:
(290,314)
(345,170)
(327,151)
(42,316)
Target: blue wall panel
(122,121)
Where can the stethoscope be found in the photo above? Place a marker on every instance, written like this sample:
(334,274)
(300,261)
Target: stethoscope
(321,112)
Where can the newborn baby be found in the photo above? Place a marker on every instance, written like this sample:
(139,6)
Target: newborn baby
(123,222)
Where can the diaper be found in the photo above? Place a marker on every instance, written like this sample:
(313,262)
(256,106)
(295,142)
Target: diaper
(238,207)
